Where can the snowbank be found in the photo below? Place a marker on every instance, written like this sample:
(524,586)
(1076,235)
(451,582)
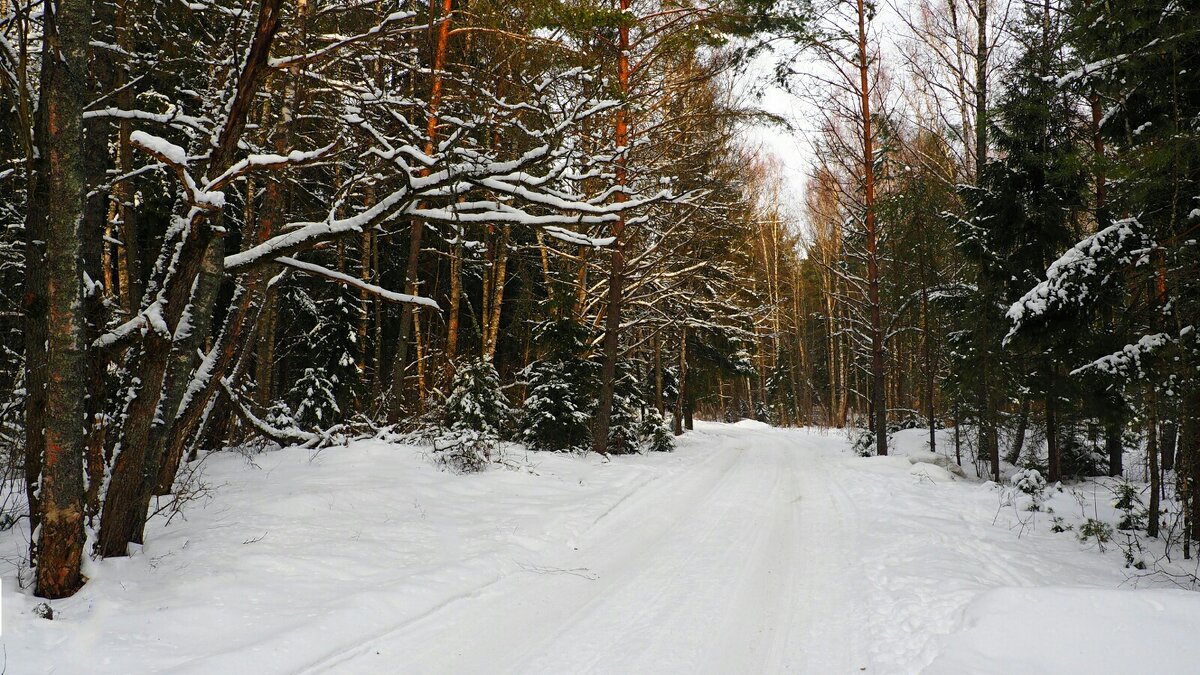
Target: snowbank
(296,555)
(1074,630)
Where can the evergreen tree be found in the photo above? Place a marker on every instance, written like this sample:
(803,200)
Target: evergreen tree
(314,400)
(557,414)
(473,418)
(476,400)
(654,433)
(1023,212)
(624,435)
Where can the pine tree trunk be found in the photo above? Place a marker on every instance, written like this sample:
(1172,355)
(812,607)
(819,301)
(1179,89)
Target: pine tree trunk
(64,92)
(441,38)
(1115,450)
(1152,461)
(1054,458)
(616,278)
(682,387)
(878,398)
(130,255)
(455,305)
(930,367)
(1189,459)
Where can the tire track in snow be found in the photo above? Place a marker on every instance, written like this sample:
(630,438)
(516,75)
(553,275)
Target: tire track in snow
(665,492)
(739,565)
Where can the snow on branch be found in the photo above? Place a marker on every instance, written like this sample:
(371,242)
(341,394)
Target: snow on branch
(341,278)
(1078,274)
(300,235)
(175,118)
(150,318)
(172,155)
(281,436)
(269,161)
(340,41)
(1128,360)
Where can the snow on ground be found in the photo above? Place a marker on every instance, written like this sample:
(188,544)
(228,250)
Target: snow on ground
(750,549)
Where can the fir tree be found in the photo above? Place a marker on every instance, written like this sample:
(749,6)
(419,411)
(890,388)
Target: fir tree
(654,433)
(557,414)
(314,400)
(472,419)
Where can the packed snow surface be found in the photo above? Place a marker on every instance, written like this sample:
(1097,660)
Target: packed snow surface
(748,550)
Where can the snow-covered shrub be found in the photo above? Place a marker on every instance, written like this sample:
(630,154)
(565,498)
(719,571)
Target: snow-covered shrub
(1031,483)
(314,400)
(1129,503)
(763,413)
(472,419)
(862,442)
(558,410)
(476,400)
(557,415)
(1095,529)
(914,420)
(1081,458)
(280,416)
(624,428)
(465,450)
(654,432)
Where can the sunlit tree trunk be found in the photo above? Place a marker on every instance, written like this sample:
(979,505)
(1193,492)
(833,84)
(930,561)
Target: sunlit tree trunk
(616,278)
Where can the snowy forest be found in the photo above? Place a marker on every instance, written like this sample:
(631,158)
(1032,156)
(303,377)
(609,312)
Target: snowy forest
(488,228)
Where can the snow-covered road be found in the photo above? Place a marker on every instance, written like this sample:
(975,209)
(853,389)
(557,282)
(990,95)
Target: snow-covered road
(742,564)
(748,550)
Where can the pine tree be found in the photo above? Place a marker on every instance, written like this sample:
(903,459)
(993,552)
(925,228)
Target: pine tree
(472,419)
(476,401)
(1022,216)
(624,435)
(557,413)
(314,399)
(653,432)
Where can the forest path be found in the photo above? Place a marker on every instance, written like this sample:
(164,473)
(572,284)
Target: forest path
(746,562)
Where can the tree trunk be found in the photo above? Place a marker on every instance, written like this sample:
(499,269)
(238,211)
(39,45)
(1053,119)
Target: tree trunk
(659,403)
(136,468)
(1014,453)
(1152,461)
(64,92)
(616,278)
(878,398)
(1115,450)
(1053,454)
(455,304)
(495,305)
(1169,443)
(682,387)
(441,39)
(930,368)
(1189,460)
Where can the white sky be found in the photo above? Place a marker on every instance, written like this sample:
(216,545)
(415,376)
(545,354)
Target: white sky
(794,147)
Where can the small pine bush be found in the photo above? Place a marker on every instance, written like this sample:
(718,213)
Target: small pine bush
(1129,503)
(654,432)
(476,400)
(314,400)
(558,410)
(472,419)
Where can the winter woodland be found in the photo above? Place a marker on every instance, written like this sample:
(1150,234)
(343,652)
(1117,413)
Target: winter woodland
(519,275)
